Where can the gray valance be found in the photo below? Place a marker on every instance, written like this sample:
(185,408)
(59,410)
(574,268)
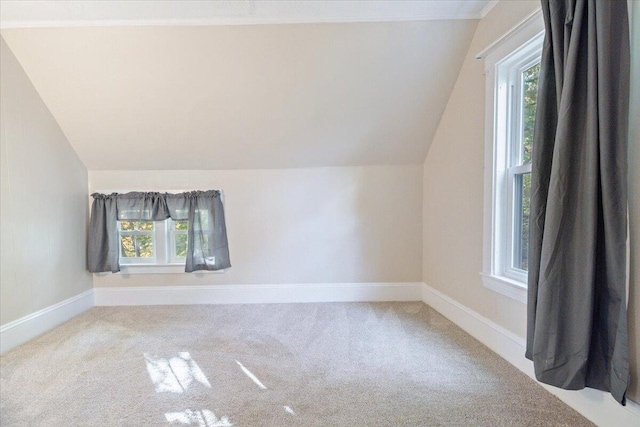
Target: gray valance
(207,246)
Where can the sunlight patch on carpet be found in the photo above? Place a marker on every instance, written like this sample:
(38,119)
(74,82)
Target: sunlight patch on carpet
(176,374)
(250,375)
(202,418)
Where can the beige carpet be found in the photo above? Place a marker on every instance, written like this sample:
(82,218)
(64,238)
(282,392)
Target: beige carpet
(331,364)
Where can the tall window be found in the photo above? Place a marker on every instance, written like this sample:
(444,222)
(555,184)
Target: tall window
(523,88)
(512,72)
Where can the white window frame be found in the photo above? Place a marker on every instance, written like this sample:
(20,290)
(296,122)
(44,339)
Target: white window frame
(171,243)
(162,251)
(504,62)
(156,236)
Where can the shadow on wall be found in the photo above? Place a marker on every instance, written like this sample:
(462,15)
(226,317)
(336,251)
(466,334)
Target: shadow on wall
(327,225)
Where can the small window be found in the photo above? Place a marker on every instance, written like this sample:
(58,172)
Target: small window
(153,242)
(512,71)
(137,242)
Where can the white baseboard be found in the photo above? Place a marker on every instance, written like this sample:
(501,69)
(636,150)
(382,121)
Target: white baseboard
(261,294)
(600,408)
(28,327)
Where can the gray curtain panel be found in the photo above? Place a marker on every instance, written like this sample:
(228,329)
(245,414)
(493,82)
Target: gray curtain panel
(577,319)
(103,248)
(207,247)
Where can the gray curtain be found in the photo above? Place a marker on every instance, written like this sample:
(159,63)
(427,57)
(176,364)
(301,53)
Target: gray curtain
(207,247)
(577,320)
(207,236)
(103,248)
(138,206)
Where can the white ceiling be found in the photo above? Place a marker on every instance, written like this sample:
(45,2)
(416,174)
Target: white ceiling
(246,96)
(56,13)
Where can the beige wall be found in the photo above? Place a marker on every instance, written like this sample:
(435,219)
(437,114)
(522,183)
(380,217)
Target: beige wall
(453,192)
(43,198)
(317,225)
(454,184)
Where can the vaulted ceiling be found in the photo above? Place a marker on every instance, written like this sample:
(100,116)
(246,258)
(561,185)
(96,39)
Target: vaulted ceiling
(184,96)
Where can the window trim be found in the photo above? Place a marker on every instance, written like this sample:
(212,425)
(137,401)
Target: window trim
(521,41)
(160,269)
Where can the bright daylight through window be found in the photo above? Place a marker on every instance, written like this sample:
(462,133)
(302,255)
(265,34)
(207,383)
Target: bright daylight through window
(512,73)
(525,86)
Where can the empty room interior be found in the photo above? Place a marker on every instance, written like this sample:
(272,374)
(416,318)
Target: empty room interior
(320,213)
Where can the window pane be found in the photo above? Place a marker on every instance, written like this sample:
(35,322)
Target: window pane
(127,225)
(181,245)
(204,220)
(181,225)
(521,221)
(145,225)
(201,250)
(127,247)
(136,225)
(144,246)
(529,97)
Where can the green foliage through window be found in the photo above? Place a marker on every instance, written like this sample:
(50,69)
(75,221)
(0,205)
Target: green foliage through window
(530,94)
(523,189)
(136,239)
(523,181)
(181,225)
(181,245)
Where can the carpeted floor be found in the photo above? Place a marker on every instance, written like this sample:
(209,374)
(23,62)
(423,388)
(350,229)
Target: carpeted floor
(331,364)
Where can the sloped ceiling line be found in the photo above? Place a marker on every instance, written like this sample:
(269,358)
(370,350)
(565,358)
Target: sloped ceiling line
(246,97)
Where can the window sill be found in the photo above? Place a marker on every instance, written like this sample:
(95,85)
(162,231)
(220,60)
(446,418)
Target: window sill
(508,287)
(159,269)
